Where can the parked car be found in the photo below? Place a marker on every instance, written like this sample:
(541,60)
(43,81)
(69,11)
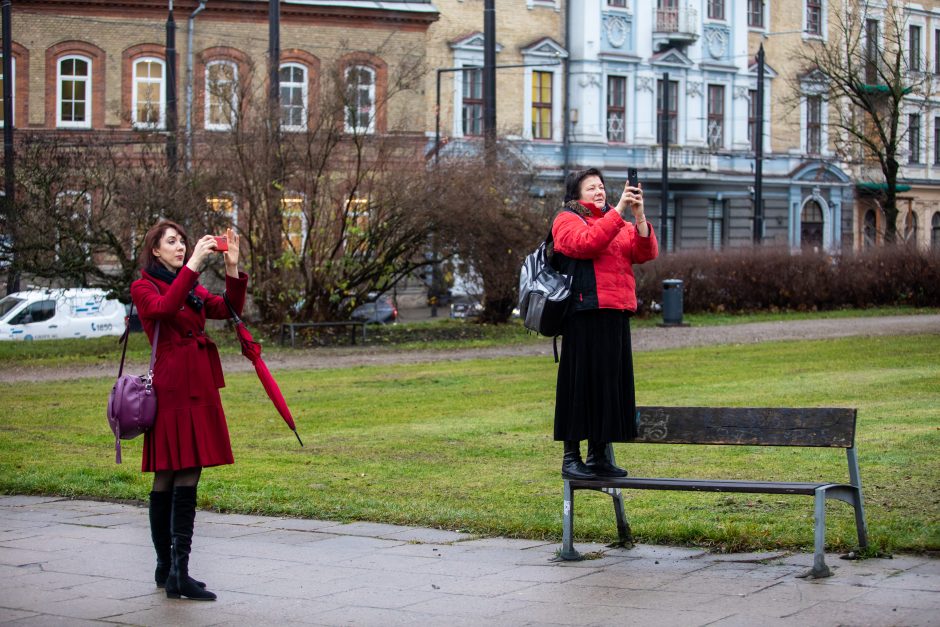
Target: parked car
(56,314)
(465,308)
(380,311)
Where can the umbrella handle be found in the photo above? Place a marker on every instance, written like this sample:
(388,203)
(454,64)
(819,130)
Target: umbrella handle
(298,437)
(231,309)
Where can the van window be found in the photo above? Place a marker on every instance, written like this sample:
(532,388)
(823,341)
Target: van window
(36,312)
(8,304)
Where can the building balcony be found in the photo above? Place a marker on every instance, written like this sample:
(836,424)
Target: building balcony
(675,26)
(681,158)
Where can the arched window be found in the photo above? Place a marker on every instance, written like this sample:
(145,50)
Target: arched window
(293,97)
(221,95)
(868,235)
(811,229)
(935,231)
(148,104)
(73,92)
(360,99)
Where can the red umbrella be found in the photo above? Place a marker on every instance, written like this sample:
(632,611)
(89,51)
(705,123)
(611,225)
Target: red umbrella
(252,350)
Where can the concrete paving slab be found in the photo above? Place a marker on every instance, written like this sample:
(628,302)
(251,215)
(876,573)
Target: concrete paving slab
(286,572)
(436,536)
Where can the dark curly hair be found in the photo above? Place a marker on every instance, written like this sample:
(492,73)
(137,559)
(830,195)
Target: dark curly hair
(573,182)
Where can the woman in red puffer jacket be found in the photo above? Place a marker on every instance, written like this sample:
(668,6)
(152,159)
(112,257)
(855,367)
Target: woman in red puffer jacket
(595,399)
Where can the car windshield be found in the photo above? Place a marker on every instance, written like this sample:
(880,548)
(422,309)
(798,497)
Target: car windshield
(8,304)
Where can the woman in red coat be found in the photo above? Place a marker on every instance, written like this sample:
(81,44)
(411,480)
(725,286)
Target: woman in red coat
(594,398)
(190,431)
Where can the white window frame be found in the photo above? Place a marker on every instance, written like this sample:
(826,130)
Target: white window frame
(555,71)
(136,80)
(370,128)
(814,88)
(627,136)
(86,123)
(923,59)
(12,89)
(725,108)
(764,18)
(208,94)
(303,85)
(823,25)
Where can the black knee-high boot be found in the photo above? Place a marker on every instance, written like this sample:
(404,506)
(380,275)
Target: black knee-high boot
(161,506)
(571,466)
(161,509)
(179,584)
(599,461)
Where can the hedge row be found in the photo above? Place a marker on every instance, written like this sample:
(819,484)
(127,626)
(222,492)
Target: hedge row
(774,278)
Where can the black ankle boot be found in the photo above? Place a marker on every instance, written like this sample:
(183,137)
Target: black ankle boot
(161,508)
(572,467)
(599,462)
(178,583)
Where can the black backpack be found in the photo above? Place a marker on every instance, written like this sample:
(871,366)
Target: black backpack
(545,294)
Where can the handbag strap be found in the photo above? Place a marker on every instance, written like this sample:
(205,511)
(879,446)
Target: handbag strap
(126,336)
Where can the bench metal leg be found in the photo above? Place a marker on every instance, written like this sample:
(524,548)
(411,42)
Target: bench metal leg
(568,551)
(855,479)
(624,535)
(819,569)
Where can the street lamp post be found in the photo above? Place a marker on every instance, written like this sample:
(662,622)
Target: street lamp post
(171,109)
(759,151)
(9,189)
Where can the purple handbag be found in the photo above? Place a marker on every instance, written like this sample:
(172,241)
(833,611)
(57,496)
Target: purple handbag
(132,406)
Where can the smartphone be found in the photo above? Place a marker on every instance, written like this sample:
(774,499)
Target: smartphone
(221,243)
(632,179)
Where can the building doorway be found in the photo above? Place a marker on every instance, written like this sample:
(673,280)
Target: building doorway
(811,225)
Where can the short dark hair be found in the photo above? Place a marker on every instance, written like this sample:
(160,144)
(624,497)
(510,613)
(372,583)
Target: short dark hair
(573,182)
(152,240)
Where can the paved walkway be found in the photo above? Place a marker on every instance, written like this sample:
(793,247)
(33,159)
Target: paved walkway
(65,562)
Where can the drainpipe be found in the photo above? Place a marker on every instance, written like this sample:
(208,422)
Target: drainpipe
(189,85)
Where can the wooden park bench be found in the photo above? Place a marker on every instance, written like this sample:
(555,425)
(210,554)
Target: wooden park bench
(751,426)
(291,327)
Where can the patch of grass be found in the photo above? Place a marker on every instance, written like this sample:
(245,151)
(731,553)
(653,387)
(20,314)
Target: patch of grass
(468,446)
(440,334)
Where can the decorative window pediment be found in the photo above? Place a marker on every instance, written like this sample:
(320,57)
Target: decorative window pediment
(472,43)
(671,57)
(545,47)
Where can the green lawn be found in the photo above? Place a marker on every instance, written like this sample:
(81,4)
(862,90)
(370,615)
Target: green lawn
(468,446)
(439,334)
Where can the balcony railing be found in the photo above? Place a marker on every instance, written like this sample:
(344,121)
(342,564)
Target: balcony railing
(675,24)
(683,158)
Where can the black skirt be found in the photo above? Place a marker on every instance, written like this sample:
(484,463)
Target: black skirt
(594,398)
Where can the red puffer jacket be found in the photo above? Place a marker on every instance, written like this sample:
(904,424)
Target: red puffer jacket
(611,245)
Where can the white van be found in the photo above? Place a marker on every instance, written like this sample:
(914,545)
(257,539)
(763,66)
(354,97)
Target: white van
(55,314)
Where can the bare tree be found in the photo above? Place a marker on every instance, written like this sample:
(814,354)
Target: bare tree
(871,75)
(84,205)
(334,207)
(491,219)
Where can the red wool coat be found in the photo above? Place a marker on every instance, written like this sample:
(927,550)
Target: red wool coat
(190,430)
(613,245)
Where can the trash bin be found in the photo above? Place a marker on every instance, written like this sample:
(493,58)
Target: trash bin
(672,302)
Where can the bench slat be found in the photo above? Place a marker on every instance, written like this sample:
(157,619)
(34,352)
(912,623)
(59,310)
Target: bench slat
(756,426)
(702,485)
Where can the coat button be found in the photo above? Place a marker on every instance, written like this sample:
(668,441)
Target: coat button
(189,334)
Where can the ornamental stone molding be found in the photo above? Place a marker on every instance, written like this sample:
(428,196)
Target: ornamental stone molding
(693,88)
(644,83)
(618,30)
(716,42)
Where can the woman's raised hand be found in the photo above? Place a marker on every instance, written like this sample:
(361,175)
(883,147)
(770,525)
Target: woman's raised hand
(204,247)
(231,255)
(631,197)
